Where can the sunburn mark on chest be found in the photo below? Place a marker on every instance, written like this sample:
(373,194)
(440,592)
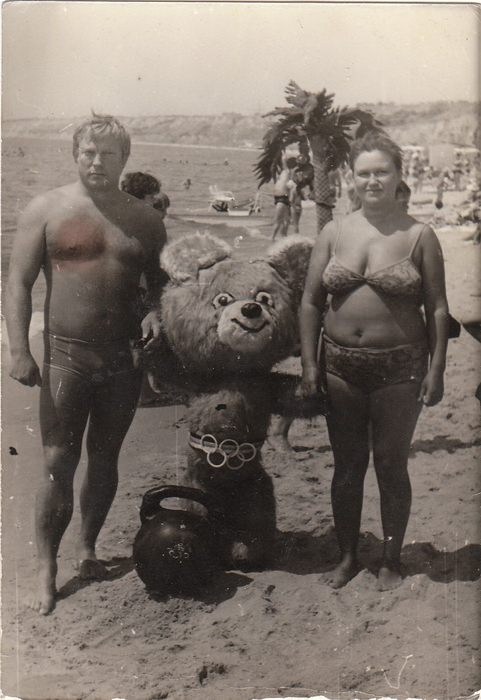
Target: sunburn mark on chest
(82,238)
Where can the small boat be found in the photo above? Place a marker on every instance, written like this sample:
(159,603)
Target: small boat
(232,217)
(222,207)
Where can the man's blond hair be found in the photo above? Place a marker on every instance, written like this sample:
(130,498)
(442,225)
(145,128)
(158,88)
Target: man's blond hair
(102,125)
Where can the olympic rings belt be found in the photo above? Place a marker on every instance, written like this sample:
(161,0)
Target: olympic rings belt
(228,452)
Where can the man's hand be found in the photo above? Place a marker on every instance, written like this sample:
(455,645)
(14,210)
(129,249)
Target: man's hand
(151,330)
(25,370)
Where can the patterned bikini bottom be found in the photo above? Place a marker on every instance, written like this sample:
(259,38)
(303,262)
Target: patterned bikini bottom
(370,369)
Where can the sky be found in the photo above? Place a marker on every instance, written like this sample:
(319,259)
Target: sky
(62,59)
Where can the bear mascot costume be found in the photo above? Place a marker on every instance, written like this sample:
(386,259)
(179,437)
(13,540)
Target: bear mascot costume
(227,323)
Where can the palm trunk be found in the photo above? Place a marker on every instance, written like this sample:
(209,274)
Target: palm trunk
(323,197)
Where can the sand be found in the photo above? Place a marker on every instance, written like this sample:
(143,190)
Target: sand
(265,634)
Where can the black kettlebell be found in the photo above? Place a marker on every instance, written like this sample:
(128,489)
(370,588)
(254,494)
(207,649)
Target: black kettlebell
(174,551)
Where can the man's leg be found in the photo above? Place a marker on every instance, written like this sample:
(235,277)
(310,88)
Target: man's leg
(296,217)
(64,406)
(111,415)
(278,219)
(286,219)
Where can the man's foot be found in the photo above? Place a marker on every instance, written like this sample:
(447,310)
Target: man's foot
(89,567)
(389,577)
(342,574)
(43,600)
(91,570)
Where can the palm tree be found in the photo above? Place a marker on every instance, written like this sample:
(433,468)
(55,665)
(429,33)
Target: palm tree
(311,119)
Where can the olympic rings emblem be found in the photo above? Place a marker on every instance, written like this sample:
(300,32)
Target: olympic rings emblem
(228,452)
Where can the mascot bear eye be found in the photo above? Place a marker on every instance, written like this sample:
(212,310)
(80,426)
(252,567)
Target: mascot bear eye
(264,298)
(222,299)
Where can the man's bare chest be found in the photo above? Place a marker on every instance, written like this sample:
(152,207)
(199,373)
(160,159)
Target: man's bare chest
(84,236)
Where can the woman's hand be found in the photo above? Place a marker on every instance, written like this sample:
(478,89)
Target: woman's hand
(432,388)
(310,381)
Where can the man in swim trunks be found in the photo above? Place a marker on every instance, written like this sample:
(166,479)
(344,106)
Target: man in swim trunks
(302,177)
(284,188)
(93,242)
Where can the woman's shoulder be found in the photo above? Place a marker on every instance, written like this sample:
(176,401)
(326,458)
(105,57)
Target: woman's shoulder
(415,228)
(422,236)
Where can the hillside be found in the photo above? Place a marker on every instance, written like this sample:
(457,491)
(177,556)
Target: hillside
(454,122)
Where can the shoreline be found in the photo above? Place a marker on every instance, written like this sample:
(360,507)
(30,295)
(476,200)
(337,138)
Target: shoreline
(139,143)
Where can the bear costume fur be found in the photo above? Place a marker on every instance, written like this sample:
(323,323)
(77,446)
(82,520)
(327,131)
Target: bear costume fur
(227,323)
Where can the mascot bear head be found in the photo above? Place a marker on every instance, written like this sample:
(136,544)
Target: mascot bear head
(227,316)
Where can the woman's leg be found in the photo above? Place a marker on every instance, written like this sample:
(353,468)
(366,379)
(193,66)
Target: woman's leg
(347,423)
(394,412)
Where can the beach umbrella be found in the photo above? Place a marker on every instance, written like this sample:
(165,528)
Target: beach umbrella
(311,119)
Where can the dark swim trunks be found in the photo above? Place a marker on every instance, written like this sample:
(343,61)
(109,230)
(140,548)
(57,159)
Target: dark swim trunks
(370,369)
(282,199)
(96,363)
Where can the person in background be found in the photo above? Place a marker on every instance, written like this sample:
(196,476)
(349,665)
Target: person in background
(303,177)
(403,195)
(147,188)
(92,241)
(417,172)
(458,171)
(335,182)
(381,359)
(283,193)
(442,185)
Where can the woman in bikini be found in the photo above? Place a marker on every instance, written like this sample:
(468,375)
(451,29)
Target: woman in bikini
(381,358)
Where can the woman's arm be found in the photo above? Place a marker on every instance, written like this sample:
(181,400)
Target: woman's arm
(437,317)
(312,307)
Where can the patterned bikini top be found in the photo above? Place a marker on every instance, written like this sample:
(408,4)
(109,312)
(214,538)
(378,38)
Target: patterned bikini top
(401,278)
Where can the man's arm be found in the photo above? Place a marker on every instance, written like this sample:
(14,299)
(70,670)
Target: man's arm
(26,260)
(155,279)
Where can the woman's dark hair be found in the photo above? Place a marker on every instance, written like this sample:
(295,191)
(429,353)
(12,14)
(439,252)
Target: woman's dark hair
(140,184)
(376,141)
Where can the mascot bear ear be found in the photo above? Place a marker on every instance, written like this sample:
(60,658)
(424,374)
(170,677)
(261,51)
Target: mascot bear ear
(290,258)
(184,258)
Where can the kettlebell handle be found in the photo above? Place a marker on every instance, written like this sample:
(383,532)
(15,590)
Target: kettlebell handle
(153,497)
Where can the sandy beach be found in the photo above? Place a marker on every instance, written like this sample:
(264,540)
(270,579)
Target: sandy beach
(266,634)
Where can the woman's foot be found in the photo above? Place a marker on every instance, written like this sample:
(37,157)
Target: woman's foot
(343,573)
(43,599)
(389,577)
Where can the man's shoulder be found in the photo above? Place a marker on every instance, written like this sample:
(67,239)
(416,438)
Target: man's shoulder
(44,203)
(53,195)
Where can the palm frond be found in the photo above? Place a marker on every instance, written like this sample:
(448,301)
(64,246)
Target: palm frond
(279,135)
(312,115)
(284,112)
(295,95)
